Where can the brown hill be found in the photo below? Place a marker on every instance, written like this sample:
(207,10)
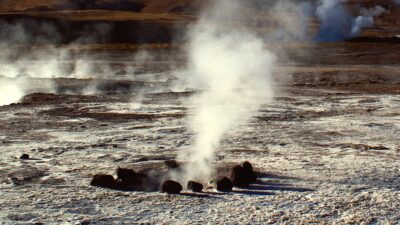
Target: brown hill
(148,21)
(145,6)
(22,6)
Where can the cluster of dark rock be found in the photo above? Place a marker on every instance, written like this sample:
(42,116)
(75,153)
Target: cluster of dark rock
(127,180)
(173,187)
(241,176)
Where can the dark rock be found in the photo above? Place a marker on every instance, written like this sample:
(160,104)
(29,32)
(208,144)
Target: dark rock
(247,166)
(86,222)
(128,179)
(248,169)
(239,177)
(126,174)
(172,164)
(24,156)
(194,186)
(224,184)
(171,187)
(143,159)
(243,175)
(103,180)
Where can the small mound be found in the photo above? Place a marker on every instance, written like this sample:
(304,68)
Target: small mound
(171,187)
(24,157)
(194,186)
(224,184)
(103,180)
(129,180)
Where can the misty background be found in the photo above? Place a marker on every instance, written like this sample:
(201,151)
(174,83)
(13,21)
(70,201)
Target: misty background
(40,49)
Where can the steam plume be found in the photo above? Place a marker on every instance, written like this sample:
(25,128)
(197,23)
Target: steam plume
(292,20)
(366,19)
(32,50)
(10,92)
(233,69)
(335,20)
(12,84)
(337,23)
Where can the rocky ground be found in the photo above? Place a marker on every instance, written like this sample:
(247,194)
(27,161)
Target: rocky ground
(327,152)
(326,149)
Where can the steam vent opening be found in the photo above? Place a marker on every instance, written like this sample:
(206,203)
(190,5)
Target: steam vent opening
(199,111)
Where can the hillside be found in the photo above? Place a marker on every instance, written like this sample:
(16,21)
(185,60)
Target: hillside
(153,21)
(145,6)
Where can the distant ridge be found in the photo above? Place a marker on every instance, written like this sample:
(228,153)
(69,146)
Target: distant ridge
(146,6)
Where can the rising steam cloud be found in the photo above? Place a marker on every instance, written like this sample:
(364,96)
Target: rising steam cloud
(232,68)
(10,92)
(33,50)
(366,19)
(337,23)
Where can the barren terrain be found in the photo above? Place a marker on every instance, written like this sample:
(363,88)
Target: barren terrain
(329,153)
(327,148)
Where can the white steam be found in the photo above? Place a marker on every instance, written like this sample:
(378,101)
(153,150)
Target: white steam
(292,21)
(335,20)
(337,23)
(366,19)
(32,50)
(10,92)
(233,70)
